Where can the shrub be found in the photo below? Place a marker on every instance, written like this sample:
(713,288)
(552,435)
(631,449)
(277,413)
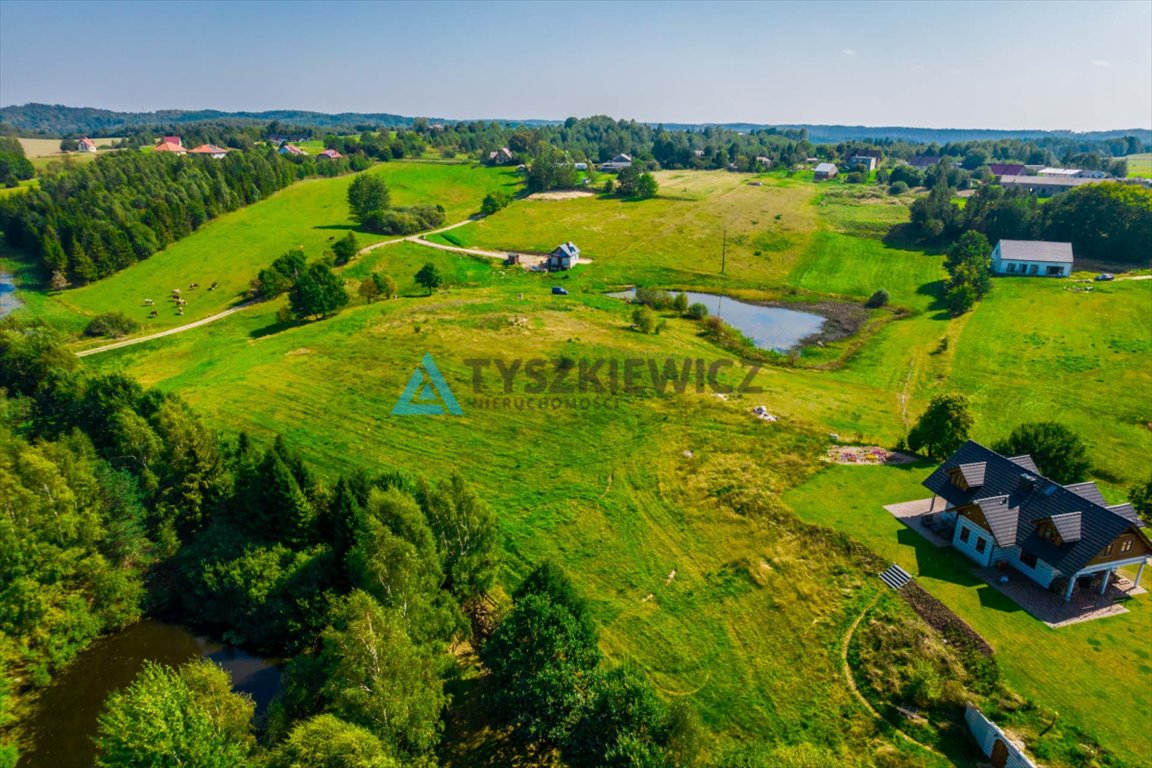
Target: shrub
(856,177)
(897,188)
(680,302)
(698,311)
(877,300)
(644,319)
(115,324)
(494,201)
(653,297)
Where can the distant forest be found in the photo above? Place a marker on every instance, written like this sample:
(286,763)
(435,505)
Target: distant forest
(58,120)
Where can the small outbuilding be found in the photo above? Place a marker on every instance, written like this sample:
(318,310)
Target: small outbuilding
(826,171)
(565,256)
(502,156)
(1032,257)
(330,154)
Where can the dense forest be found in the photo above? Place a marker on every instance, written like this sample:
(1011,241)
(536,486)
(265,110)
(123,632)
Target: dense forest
(89,221)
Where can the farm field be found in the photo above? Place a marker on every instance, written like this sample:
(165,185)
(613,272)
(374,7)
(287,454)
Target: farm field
(1140,165)
(624,493)
(234,248)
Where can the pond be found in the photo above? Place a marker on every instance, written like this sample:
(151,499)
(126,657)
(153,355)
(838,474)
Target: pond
(64,722)
(8,300)
(769,327)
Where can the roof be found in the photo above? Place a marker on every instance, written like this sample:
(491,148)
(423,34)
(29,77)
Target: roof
(826,168)
(923,161)
(1015,500)
(973,473)
(207,149)
(1036,250)
(1044,181)
(331,154)
(87,142)
(1067,525)
(868,153)
(1006,169)
(568,249)
(1058,172)
(622,158)
(1128,512)
(172,140)
(292,149)
(1088,491)
(168,146)
(1026,462)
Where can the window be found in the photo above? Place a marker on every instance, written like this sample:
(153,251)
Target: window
(981,544)
(1055,270)
(1107,550)
(964,533)
(1028,559)
(1126,545)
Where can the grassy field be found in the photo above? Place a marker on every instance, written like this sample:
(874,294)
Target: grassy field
(1140,165)
(622,493)
(234,248)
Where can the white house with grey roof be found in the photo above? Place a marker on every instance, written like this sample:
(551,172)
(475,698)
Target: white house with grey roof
(1059,536)
(1032,257)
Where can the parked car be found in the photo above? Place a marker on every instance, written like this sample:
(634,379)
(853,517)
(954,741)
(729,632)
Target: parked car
(558,291)
(1104,276)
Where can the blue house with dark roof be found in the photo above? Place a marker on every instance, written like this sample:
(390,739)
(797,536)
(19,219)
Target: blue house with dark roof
(1060,536)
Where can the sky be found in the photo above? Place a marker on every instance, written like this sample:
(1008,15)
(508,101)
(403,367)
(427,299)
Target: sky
(1012,65)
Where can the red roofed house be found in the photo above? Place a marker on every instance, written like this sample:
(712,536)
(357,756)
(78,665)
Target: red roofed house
(86,145)
(291,149)
(330,154)
(170,146)
(211,150)
(173,140)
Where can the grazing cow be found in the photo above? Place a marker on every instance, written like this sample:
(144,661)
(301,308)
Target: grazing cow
(148,302)
(181,302)
(192,286)
(154,313)
(180,311)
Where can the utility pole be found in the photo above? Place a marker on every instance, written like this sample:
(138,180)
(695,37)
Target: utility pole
(724,251)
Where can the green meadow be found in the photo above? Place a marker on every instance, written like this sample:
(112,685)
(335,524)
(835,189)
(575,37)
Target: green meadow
(626,490)
(1140,165)
(234,248)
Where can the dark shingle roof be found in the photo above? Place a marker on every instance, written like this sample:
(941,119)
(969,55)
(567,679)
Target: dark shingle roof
(1068,526)
(973,473)
(1128,512)
(1088,491)
(1026,462)
(1003,520)
(1015,500)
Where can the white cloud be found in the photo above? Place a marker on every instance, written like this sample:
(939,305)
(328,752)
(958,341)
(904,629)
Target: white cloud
(1101,62)
(848,52)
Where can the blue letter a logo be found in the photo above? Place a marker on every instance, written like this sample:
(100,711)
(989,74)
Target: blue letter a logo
(427,393)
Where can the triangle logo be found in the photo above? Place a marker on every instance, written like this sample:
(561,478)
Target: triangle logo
(427,394)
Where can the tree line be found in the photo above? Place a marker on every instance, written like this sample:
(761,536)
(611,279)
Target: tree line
(89,221)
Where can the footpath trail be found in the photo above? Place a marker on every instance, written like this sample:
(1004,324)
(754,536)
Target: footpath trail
(169,332)
(221,315)
(851,679)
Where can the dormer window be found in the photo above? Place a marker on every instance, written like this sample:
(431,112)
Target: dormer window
(1126,545)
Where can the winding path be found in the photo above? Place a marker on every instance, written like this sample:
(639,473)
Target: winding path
(221,315)
(851,680)
(169,332)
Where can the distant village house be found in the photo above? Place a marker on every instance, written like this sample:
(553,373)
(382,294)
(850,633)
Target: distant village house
(1005,169)
(291,149)
(865,158)
(617,163)
(209,150)
(502,156)
(1072,173)
(924,161)
(1044,186)
(330,154)
(85,145)
(825,171)
(170,144)
(1032,257)
(563,257)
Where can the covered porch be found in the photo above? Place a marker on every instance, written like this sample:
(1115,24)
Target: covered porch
(1095,594)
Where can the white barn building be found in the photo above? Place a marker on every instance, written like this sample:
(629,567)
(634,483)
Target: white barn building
(1032,257)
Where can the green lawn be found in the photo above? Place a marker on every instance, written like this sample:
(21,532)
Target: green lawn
(1140,165)
(1095,674)
(234,248)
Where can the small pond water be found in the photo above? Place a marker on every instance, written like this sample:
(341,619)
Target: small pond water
(8,300)
(64,721)
(768,327)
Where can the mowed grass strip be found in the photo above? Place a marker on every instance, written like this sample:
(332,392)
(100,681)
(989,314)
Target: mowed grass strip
(1140,165)
(234,248)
